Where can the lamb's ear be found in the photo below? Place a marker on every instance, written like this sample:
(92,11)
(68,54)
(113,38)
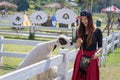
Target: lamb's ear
(55,46)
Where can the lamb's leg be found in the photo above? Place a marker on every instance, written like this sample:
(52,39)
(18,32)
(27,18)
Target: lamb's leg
(42,76)
(50,74)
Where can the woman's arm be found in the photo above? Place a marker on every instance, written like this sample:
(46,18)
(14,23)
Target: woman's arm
(99,50)
(98,53)
(99,40)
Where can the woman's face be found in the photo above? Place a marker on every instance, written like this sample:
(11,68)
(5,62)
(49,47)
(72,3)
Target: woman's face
(84,20)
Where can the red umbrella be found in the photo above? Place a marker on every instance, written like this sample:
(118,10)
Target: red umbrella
(8,4)
(111,9)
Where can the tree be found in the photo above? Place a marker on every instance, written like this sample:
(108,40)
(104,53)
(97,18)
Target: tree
(85,4)
(63,3)
(23,5)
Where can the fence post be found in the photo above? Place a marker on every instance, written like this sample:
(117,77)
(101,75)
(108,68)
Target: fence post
(32,33)
(104,50)
(113,37)
(63,68)
(73,35)
(119,40)
(1,48)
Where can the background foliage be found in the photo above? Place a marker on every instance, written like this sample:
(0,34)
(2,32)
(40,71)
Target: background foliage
(83,4)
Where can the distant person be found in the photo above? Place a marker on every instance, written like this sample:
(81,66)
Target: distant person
(3,12)
(54,22)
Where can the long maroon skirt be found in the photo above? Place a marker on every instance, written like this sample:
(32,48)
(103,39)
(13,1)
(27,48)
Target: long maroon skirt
(92,72)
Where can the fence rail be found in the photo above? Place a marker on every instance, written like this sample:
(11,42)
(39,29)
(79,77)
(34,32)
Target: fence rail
(62,60)
(41,31)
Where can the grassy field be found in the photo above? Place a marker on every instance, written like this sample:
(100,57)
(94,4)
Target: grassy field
(11,63)
(111,70)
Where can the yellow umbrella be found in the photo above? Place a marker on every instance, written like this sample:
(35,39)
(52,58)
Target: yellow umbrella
(26,21)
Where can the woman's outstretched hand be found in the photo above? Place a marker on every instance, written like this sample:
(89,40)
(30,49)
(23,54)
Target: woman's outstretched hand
(78,42)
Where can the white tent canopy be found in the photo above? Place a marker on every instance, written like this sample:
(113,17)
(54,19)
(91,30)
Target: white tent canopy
(111,9)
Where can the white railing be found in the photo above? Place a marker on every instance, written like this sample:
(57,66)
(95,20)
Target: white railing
(109,44)
(41,31)
(62,60)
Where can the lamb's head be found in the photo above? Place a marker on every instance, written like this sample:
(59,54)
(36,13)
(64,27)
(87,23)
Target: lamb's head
(61,42)
(64,41)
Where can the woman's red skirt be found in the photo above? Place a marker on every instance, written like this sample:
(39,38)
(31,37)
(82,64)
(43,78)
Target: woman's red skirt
(92,72)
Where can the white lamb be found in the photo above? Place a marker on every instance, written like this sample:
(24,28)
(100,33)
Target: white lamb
(44,51)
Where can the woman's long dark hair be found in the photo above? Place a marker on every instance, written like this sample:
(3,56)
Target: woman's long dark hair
(90,28)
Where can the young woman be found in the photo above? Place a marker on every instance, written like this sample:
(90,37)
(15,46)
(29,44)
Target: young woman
(89,40)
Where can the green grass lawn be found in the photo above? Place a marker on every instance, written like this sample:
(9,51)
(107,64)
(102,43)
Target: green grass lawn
(111,70)
(11,63)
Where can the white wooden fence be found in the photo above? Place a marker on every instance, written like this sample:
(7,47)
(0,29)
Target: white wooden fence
(41,31)
(62,60)
(109,44)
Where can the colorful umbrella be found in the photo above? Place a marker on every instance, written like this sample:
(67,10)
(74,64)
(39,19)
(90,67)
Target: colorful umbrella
(111,9)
